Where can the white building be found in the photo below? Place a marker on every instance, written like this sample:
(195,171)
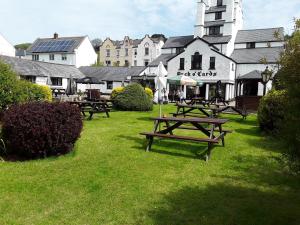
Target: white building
(221,50)
(6,48)
(76,51)
(56,76)
(146,51)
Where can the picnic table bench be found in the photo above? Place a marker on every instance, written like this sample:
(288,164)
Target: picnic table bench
(92,108)
(207,111)
(197,124)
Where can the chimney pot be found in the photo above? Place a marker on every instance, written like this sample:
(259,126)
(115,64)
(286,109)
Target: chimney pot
(55,36)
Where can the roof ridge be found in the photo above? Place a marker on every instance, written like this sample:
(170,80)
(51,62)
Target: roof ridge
(262,29)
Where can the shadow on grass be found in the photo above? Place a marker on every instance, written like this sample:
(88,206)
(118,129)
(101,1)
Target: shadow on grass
(225,204)
(149,118)
(253,131)
(169,147)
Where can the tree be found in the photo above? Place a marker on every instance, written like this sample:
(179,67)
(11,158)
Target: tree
(289,79)
(23,46)
(162,36)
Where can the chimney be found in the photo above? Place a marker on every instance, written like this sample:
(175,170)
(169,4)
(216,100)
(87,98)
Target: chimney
(55,36)
(199,27)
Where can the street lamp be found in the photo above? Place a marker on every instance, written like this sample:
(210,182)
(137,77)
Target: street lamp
(266,76)
(144,80)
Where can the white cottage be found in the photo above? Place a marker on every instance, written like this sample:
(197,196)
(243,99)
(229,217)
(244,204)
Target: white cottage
(6,48)
(76,51)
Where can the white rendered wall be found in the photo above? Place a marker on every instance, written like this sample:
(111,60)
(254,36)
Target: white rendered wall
(223,65)
(85,54)
(154,51)
(44,57)
(6,48)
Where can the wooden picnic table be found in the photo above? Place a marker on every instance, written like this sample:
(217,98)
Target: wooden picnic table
(193,124)
(208,111)
(92,107)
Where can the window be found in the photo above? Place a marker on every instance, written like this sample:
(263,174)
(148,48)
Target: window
(135,63)
(109,85)
(107,52)
(215,30)
(35,57)
(118,53)
(126,63)
(64,57)
(135,51)
(179,50)
(108,63)
(251,45)
(219,2)
(56,81)
(196,61)
(51,57)
(31,79)
(212,63)
(126,52)
(147,51)
(146,62)
(181,67)
(232,67)
(218,16)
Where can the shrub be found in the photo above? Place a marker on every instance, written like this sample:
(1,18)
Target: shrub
(271,111)
(41,129)
(133,98)
(116,91)
(149,92)
(35,92)
(10,90)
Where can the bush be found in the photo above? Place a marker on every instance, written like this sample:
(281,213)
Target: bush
(271,111)
(11,91)
(149,92)
(133,98)
(15,91)
(116,91)
(41,129)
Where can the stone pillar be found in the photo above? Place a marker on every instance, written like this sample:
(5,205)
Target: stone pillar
(227,92)
(184,91)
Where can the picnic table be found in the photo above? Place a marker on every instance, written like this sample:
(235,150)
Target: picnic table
(208,111)
(92,107)
(198,125)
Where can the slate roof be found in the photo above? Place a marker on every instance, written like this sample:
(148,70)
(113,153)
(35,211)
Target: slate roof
(26,67)
(112,73)
(259,35)
(37,42)
(217,39)
(178,42)
(253,75)
(254,55)
(215,9)
(214,23)
(164,58)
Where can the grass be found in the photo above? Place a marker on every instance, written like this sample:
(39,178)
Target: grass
(110,179)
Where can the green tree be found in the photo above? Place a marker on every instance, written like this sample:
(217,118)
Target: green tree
(289,79)
(23,46)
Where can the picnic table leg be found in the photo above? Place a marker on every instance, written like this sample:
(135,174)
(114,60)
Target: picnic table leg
(91,115)
(107,114)
(221,133)
(208,154)
(168,126)
(149,143)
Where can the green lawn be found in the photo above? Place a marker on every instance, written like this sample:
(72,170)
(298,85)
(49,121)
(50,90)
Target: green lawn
(110,179)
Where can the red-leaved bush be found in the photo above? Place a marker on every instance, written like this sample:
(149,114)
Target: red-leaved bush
(41,129)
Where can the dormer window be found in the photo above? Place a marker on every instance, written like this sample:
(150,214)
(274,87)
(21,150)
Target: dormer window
(250,45)
(219,2)
(196,61)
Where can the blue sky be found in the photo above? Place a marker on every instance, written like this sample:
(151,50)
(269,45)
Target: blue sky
(24,21)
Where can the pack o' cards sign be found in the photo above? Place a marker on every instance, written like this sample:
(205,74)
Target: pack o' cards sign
(198,74)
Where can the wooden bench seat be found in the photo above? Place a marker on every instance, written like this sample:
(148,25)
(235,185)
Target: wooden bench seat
(207,140)
(208,129)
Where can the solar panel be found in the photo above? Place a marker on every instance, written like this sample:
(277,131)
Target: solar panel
(53,46)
